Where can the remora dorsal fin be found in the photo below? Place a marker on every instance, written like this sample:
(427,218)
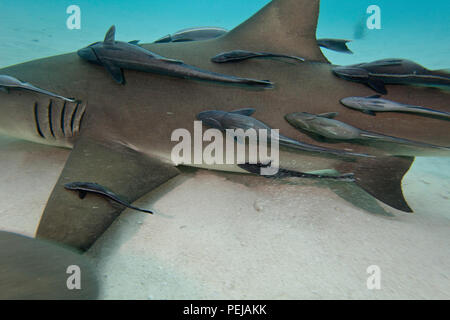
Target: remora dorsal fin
(382,178)
(110,35)
(287,26)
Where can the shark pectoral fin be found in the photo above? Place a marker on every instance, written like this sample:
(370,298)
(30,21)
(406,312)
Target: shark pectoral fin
(382,178)
(245,112)
(78,223)
(115,71)
(375,96)
(4,89)
(377,85)
(32,269)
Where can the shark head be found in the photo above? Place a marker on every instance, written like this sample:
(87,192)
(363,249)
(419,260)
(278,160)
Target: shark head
(30,113)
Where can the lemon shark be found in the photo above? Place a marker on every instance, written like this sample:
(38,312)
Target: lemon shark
(120,135)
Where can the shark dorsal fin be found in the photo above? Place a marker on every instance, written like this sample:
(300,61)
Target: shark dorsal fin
(110,35)
(287,26)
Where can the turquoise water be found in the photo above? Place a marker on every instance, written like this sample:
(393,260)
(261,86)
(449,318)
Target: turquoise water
(416,30)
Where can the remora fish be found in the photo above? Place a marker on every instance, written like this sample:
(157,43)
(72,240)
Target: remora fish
(206,33)
(240,55)
(339,45)
(283,173)
(325,126)
(118,55)
(193,34)
(371,105)
(392,71)
(89,187)
(240,119)
(7,82)
(124,140)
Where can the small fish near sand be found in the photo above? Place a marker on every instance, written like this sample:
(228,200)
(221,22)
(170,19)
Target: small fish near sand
(392,71)
(241,119)
(324,125)
(241,55)
(88,187)
(118,55)
(338,45)
(284,173)
(7,82)
(193,34)
(371,105)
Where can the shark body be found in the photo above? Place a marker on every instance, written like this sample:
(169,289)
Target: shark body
(121,135)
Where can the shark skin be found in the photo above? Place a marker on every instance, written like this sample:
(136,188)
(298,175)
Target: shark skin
(121,135)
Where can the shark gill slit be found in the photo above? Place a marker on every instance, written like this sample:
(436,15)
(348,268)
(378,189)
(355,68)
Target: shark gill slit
(72,119)
(50,121)
(81,120)
(63,111)
(36,120)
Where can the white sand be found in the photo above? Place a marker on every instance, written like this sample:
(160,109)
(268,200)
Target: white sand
(217,238)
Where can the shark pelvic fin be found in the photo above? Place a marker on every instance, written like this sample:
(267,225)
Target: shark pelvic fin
(281,26)
(382,178)
(73,221)
(33,269)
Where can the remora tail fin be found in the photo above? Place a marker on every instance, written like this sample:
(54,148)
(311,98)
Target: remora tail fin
(287,26)
(382,178)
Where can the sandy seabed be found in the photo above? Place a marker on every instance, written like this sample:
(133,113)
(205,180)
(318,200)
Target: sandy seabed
(225,236)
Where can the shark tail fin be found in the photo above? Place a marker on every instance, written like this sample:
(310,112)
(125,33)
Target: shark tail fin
(281,26)
(382,178)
